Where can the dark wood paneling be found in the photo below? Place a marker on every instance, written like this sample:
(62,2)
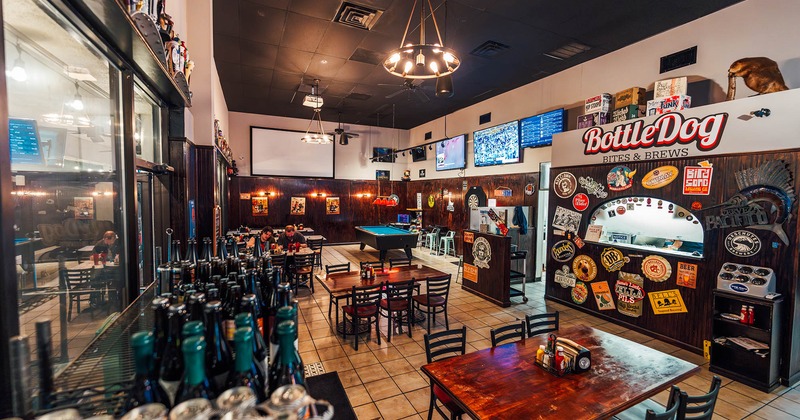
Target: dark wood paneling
(690,329)
(494,282)
(183,184)
(206,165)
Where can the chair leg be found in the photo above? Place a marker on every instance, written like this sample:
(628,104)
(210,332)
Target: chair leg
(410,318)
(354,321)
(446,321)
(311,281)
(428,316)
(433,403)
(69,313)
(389,327)
(330,306)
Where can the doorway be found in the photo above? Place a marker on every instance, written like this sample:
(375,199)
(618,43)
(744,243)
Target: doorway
(144,222)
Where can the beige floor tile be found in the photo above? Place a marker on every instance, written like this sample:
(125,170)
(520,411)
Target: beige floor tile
(349,378)
(374,373)
(363,360)
(387,354)
(383,388)
(396,407)
(398,367)
(730,411)
(310,356)
(329,353)
(410,381)
(367,412)
(358,395)
(417,360)
(323,342)
(420,399)
(787,405)
(739,400)
(414,417)
(410,349)
(772,413)
(342,363)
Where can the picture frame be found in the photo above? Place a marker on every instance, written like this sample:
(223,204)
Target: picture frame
(297,206)
(332,205)
(84,208)
(382,175)
(383,154)
(260,206)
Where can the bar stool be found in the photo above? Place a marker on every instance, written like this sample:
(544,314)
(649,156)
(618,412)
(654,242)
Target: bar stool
(430,238)
(447,243)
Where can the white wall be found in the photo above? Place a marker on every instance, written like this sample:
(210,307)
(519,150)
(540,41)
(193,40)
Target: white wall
(352,161)
(749,29)
(219,106)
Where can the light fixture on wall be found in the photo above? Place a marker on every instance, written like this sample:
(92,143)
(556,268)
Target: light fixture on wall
(423,60)
(18,72)
(77,101)
(318,136)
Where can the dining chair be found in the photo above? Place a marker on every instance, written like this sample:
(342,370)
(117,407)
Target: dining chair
(447,243)
(439,346)
(540,324)
(330,269)
(701,407)
(362,303)
(378,265)
(78,285)
(397,301)
(316,246)
(399,262)
(279,260)
(507,333)
(437,290)
(651,410)
(302,271)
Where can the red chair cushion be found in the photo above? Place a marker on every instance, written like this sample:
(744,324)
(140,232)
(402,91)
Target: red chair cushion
(394,305)
(429,300)
(445,399)
(363,311)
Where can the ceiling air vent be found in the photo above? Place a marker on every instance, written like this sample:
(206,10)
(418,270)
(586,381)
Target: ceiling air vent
(568,50)
(357,16)
(489,49)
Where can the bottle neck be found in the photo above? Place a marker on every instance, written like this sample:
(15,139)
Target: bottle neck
(287,349)
(244,355)
(143,359)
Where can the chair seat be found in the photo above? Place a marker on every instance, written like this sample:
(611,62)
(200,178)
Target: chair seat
(446,400)
(395,305)
(639,411)
(303,270)
(429,300)
(363,311)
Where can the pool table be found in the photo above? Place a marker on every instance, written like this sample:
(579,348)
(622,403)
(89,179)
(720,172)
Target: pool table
(384,238)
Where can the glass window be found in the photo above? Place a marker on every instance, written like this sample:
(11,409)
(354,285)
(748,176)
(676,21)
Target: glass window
(65,133)
(147,125)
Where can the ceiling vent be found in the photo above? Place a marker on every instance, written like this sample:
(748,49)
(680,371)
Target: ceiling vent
(569,50)
(489,49)
(357,16)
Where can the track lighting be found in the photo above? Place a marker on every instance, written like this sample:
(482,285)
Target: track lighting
(18,72)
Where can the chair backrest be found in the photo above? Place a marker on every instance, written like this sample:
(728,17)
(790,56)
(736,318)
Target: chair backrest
(450,235)
(542,323)
(303,260)
(278,260)
(398,262)
(675,407)
(400,291)
(702,406)
(375,264)
(337,268)
(438,285)
(75,278)
(365,296)
(435,231)
(511,332)
(315,244)
(442,345)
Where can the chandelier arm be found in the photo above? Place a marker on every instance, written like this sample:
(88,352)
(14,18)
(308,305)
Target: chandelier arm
(322,134)
(435,25)
(422,23)
(408,25)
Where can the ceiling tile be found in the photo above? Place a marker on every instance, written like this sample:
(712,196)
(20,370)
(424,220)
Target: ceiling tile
(256,76)
(226,18)
(339,89)
(302,32)
(229,72)
(260,23)
(257,54)
(292,61)
(325,67)
(288,81)
(227,49)
(277,4)
(353,71)
(340,41)
(320,9)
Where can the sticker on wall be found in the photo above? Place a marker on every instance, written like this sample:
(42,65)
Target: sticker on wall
(687,275)
(620,178)
(580,202)
(502,192)
(603,296)
(621,210)
(260,206)
(565,185)
(696,205)
(584,267)
(431,201)
(297,206)
(482,252)
(660,177)
(697,179)
(470,272)
(564,277)
(422,173)
(563,251)
(578,241)
(656,268)
(742,243)
(580,292)
(566,219)
(630,294)
(469,237)
(593,187)
(529,189)
(244,196)
(332,205)
(612,259)
(593,233)
(667,302)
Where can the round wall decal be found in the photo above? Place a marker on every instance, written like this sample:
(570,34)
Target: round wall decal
(580,202)
(565,184)
(584,268)
(580,292)
(563,251)
(742,243)
(656,268)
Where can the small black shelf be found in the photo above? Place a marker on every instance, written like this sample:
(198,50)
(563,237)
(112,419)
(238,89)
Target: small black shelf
(739,324)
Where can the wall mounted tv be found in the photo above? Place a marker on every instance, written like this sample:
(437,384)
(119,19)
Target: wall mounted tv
(451,153)
(497,145)
(418,154)
(383,154)
(23,136)
(538,130)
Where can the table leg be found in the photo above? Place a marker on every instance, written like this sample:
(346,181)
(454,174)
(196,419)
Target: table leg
(408,252)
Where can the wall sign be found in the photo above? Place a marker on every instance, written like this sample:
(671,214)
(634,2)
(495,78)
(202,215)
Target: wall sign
(563,251)
(564,277)
(566,219)
(529,189)
(332,205)
(620,178)
(482,252)
(580,202)
(667,302)
(470,272)
(297,206)
(656,268)
(593,233)
(502,192)
(565,185)
(422,173)
(660,177)
(697,179)
(687,275)
(579,293)
(602,296)
(630,293)
(584,267)
(742,243)
(260,206)
(244,196)
(469,237)
(612,259)
(593,187)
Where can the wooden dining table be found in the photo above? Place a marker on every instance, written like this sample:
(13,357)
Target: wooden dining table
(337,283)
(505,383)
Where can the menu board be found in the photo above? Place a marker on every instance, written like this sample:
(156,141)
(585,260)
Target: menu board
(538,130)
(24,142)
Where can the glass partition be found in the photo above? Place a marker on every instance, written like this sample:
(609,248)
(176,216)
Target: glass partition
(147,125)
(65,133)
(646,223)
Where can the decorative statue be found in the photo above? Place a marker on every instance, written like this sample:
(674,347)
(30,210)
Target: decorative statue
(759,73)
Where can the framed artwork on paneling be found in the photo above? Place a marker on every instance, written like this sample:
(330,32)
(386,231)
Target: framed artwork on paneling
(260,206)
(298,206)
(332,205)
(84,208)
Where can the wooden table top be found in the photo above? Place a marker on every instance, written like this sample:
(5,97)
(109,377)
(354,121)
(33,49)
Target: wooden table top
(504,383)
(342,282)
(302,251)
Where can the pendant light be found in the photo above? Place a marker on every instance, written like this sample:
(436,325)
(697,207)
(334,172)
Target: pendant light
(318,136)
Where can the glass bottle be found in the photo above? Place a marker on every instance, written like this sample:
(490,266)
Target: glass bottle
(172,366)
(286,368)
(145,388)
(160,307)
(286,313)
(175,252)
(191,251)
(232,306)
(218,353)
(195,383)
(195,304)
(192,329)
(257,251)
(206,255)
(243,373)
(222,249)
(245,319)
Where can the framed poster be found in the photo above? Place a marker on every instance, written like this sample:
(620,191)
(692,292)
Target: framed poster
(382,175)
(260,206)
(298,206)
(84,208)
(332,205)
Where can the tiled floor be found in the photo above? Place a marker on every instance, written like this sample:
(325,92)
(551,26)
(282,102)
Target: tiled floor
(385,381)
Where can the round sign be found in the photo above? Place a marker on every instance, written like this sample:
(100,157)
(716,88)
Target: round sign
(580,292)
(696,205)
(431,201)
(565,184)
(620,210)
(529,189)
(563,251)
(620,178)
(580,201)
(660,177)
(742,243)
(656,268)
(584,268)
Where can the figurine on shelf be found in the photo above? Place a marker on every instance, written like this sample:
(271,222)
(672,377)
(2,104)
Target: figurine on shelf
(188,71)
(759,73)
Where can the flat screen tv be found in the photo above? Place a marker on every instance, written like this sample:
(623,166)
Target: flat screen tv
(451,153)
(497,145)
(538,130)
(383,154)
(418,154)
(23,136)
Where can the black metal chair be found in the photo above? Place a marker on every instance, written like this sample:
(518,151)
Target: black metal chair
(78,284)
(330,269)
(440,346)
(399,262)
(362,303)
(302,271)
(435,299)
(542,323)
(279,260)
(378,265)
(507,333)
(397,301)
(676,405)
(316,246)
(702,406)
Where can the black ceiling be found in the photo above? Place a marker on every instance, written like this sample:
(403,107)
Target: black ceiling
(268,52)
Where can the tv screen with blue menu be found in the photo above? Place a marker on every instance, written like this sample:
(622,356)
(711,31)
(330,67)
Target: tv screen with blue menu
(538,130)
(497,145)
(23,136)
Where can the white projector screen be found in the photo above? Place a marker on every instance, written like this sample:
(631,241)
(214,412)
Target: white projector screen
(281,153)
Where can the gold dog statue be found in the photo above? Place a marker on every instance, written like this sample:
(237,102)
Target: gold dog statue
(759,73)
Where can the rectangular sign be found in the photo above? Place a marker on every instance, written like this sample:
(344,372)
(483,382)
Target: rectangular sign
(469,237)
(602,295)
(697,179)
(244,196)
(470,273)
(667,302)
(687,275)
